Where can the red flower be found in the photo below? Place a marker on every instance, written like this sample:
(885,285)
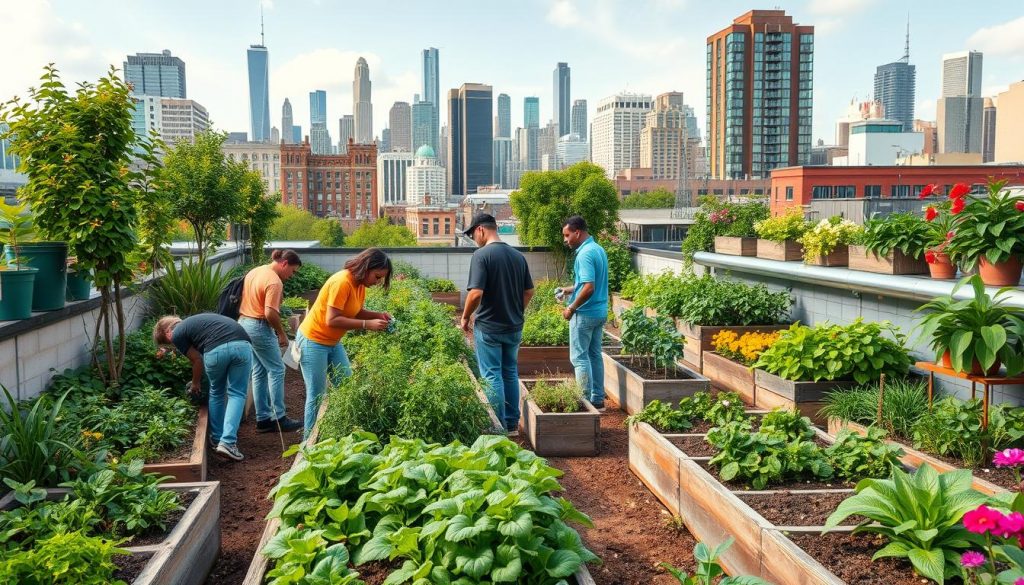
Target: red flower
(929,257)
(1019,205)
(930,213)
(928,190)
(957,207)
(959,190)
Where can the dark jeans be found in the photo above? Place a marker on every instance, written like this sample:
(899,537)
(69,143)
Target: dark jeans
(497,354)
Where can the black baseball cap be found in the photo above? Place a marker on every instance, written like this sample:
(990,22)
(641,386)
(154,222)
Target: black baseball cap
(479,220)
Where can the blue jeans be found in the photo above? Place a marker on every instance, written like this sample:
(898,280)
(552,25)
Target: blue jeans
(585,334)
(267,369)
(497,354)
(319,361)
(227,366)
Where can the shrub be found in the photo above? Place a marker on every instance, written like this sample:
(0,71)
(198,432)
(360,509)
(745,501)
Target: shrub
(440,285)
(405,270)
(780,228)
(712,301)
(907,232)
(745,348)
(954,428)
(192,288)
(620,261)
(827,235)
(562,396)
(657,199)
(717,218)
(546,327)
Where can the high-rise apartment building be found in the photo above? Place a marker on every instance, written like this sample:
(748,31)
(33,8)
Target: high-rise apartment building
(960,111)
(400,124)
(1009,139)
(760,73)
(502,154)
(424,125)
(560,99)
(362,107)
(287,122)
(160,74)
(471,137)
(528,148)
(615,133)
(431,77)
(503,124)
(579,119)
(391,177)
(571,150)
(343,186)
(896,86)
(988,131)
(181,120)
(318,107)
(259,92)
(663,139)
(346,132)
(320,139)
(531,112)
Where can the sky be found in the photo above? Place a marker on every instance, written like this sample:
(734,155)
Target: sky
(642,46)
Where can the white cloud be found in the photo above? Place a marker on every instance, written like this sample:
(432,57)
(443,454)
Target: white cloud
(602,20)
(1002,39)
(839,7)
(563,14)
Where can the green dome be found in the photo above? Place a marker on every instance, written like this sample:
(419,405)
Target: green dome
(425,151)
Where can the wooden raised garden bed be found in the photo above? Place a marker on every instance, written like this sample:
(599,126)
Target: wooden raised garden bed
(556,434)
(735,246)
(788,251)
(448,298)
(895,262)
(699,339)
(725,374)
(839,257)
(546,360)
(772,391)
(186,555)
(632,392)
(194,468)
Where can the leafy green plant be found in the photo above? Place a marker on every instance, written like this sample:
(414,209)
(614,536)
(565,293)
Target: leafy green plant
(128,500)
(769,456)
(954,428)
(788,424)
(990,227)
(905,402)
(297,550)
(15,229)
(712,301)
(64,558)
(651,339)
(34,446)
(559,396)
(441,285)
(827,235)
(708,569)
(662,417)
(192,288)
(919,514)
(854,457)
(907,232)
(781,228)
(545,327)
(720,409)
(620,260)
(859,351)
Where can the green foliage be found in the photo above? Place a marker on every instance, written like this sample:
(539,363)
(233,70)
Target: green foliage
(907,232)
(34,446)
(145,367)
(127,500)
(64,558)
(662,417)
(718,409)
(827,235)
(980,330)
(15,228)
(293,304)
(920,516)
(712,301)
(660,198)
(653,339)
(440,285)
(781,228)
(989,226)
(404,270)
(708,569)
(295,224)
(545,327)
(258,211)
(154,207)
(381,234)
(718,218)
(620,260)
(854,457)
(480,514)
(904,403)
(954,428)
(558,396)
(770,455)
(859,351)
(192,288)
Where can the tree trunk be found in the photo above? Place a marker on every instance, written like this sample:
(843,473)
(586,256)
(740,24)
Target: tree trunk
(122,344)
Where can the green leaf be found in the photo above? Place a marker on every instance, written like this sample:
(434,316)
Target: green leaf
(563,563)
(929,563)
(477,565)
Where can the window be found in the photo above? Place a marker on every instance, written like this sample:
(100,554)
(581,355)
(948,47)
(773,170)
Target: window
(899,191)
(425,226)
(437,228)
(789,193)
(872,191)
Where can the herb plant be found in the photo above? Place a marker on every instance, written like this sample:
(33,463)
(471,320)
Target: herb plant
(545,327)
(827,235)
(662,417)
(854,457)
(907,232)
(905,401)
(713,301)
(64,558)
(440,285)
(708,569)
(653,340)
(954,428)
(560,396)
(781,228)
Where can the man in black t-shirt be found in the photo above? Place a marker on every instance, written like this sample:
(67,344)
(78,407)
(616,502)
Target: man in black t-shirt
(219,345)
(499,288)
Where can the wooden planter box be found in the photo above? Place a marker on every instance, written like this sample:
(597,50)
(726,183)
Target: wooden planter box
(620,304)
(788,251)
(773,392)
(448,298)
(699,339)
(187,554)
(194,468)
(632,393)
(553,434)
(896,262)
(735,246)
(839,257)
(548,360)
(728,375)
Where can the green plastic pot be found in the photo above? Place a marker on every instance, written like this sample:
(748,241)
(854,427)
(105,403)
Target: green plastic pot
(51,258)
(16,293)
(79,286)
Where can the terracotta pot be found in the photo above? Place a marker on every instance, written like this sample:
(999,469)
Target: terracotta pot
(1005,273)
(976,370)
(942,268)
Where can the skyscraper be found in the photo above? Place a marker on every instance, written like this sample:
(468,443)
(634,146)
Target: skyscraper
(663,139)
(472,135)
(503,128)
(502,154)
(362,108)
(424,125)
(296,134)
(960,114)
(560,99)
(318,107)
(988,133)
(615,134)
(159,74)
(259,91)
(384,145)
(391,177)
(346,131)
(961,74)
(579,119)
(760,72)
(895,87)
(287,122)
(531,112)
(453,148)
(400,124)
(431,69)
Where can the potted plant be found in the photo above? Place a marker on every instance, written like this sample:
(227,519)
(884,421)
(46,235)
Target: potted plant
(737,237)
(79,283)
(729,221)
(17,279)
(777,236)
(894,244)
(938,253)
(990,234)
(48,258)
(557,420)
(975,335)
(827,243)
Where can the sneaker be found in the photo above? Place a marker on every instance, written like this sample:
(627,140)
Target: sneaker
(284,423)
(229,451)
(211,443)
(600,407)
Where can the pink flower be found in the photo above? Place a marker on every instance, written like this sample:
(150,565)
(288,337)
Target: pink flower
(1019,581)
(1010,525)
(982,520)
(972,559)
(1008,458)
(959,190)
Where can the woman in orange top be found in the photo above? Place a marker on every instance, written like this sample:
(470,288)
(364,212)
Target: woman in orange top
(338,309)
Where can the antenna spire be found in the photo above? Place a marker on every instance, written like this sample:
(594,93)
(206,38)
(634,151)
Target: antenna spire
(263,42)
(906,47)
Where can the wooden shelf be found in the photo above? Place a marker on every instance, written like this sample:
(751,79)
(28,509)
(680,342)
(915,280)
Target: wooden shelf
(984,380)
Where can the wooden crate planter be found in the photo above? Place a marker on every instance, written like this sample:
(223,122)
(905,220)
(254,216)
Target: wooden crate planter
(788,251)
(839,257)
(620,304)
(448,298)
(546,360)
(895,262)
(735,246)
(632,393)
(194,468)
(700,338)
(189,550)
(774,392)
(555,434)
(728,375)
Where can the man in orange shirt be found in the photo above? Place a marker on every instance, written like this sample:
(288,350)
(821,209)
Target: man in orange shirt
(260,312)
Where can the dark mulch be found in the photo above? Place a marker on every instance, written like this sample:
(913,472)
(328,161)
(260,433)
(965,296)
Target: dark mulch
(640,367)
(130,566)
(156,536)
(849,558)
(788,508)
(1001,476)
(693,446)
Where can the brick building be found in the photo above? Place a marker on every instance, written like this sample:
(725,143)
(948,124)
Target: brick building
(432,222)
(343,186)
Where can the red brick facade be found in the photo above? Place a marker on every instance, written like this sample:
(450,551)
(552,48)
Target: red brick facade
(343,186)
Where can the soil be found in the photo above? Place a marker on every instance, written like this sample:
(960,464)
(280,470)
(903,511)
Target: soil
(797,508)
(639,367)
(693,446)
(849,558)
(157,536)
(130,566)
(1001,476)
(182,452)
(739,486)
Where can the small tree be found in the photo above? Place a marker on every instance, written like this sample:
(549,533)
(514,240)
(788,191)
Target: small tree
(154,208)
(381,234)
(329,233)
(258,212)
(293,223)
(660,198)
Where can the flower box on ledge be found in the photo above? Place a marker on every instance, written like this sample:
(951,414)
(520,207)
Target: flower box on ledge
(700,338)
(735,246)
(895,262)
(771,391)
(788,251)
(558,434)
(729,375)
(839,257)
(194,467)
(631,391)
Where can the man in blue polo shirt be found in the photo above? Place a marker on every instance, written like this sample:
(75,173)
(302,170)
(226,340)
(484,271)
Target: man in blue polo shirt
(587,308)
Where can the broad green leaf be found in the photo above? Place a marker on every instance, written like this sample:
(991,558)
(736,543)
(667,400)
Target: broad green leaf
(929,563)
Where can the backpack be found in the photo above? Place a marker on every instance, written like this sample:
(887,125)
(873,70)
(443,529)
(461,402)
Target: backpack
(229,303)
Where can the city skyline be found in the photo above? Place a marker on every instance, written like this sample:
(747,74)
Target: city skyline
(606,57)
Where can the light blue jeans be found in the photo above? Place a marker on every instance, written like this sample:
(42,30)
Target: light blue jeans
(318,362)
(227,367)
(498,357)
(267,369)
(585,334)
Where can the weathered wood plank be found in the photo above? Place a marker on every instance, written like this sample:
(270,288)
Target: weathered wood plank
(733,246)
(728,375)
(895,262)
(655,460)
(788,251)
(632,393)
(559,434)
(194,468)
